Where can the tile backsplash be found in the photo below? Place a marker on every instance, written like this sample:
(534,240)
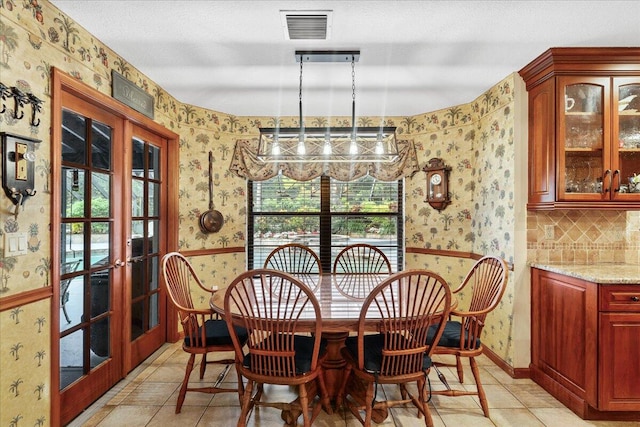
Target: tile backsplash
(583,236)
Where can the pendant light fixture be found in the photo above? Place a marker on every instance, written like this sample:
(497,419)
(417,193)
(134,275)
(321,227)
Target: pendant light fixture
(328,144)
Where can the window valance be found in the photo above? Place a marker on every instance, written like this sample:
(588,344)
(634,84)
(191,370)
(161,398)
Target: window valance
(245,164)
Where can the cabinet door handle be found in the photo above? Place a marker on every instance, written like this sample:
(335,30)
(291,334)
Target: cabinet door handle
(616,173)
(606,189)
(635,299)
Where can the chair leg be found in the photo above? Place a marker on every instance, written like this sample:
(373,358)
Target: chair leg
(203,365)
(422,404)
(240,385)
(460,370)
(245,405)
(304,404)
(403,391)
(481,395)
(185,382)
(368,405)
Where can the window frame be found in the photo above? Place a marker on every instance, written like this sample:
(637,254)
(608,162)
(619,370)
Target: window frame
(325,215)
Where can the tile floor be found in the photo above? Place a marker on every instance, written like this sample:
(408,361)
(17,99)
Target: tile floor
(147,397)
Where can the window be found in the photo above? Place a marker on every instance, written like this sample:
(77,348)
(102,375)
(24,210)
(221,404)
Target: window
(326,215)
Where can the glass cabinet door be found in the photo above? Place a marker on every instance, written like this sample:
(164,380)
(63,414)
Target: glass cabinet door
(626,147)
(583,139)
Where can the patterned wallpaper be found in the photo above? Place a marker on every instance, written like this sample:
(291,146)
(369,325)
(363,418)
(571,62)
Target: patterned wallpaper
(25,384)
(476,139)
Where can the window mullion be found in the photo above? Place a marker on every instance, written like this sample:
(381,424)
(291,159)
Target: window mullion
(250,228)
(325,223)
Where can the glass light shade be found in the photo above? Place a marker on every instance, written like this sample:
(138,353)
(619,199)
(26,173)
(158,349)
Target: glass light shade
(334,144)
(327,150)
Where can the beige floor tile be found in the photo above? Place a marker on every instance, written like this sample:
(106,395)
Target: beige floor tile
(168,351)
(166,374)
(189,416)
(534,396)
(498,396)
(180,358)
(100,415)
(458,402)
(225,399)
(516,417)
(130,416)
(409,417)
(192,398)
(122,394)
(459,417)
(222,415)
(145,374)
(149,393)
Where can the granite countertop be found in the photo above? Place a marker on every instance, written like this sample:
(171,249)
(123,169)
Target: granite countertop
(606,273)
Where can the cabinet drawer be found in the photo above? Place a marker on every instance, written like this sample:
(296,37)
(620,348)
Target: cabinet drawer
(620,298)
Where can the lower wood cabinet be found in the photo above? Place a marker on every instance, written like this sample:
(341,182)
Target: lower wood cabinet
(585,344)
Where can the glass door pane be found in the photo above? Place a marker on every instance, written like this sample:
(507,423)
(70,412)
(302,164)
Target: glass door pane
(145,237)
(627,112)
(582,140)
(86,236)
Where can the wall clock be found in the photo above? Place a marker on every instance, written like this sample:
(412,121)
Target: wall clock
(437,183)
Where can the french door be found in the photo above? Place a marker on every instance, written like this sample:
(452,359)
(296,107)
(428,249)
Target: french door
(92,279)
(110,179)
(146,245)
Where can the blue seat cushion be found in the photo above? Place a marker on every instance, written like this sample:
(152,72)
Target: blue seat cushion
(450,336)
(303,347)
(217,333)
(373,345)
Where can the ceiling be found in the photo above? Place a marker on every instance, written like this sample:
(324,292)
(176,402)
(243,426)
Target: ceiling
(415,56)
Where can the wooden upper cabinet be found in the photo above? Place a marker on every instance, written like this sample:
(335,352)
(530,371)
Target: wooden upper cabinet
(584,128)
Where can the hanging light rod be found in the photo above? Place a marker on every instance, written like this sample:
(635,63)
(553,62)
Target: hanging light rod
(327,55)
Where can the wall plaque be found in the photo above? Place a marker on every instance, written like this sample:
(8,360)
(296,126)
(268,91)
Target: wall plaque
(128,93)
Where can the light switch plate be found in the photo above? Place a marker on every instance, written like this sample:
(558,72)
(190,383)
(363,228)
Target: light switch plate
(15,244)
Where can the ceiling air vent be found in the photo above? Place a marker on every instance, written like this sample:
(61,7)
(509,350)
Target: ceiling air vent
(306,24)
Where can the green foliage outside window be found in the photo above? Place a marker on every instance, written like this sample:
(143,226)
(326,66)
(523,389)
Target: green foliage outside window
(99,209)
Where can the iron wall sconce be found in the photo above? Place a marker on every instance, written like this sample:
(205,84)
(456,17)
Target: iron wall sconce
(437,183)
(18,174)
(20,100)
